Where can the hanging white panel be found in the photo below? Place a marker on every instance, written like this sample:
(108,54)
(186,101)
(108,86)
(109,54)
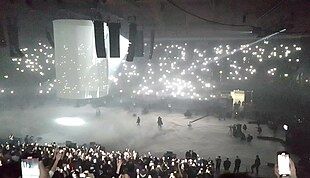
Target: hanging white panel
(79,73)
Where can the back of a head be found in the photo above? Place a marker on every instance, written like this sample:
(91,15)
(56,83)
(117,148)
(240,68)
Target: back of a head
(235,175)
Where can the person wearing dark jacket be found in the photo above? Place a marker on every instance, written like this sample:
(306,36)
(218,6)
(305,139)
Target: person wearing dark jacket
(218,161)
(227,164)
(160,122)
(194,155)
(188,155)
(138,121)
(256,165)
(237,165)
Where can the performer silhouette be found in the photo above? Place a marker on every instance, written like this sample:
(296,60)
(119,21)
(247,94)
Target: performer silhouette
(160,122)
(138,121)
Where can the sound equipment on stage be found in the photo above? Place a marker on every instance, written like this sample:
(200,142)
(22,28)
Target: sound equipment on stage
(114,33)
(13,37)
(99,38)
(70,144)
(132,42)
(2,36)
(139,51)
(152,44)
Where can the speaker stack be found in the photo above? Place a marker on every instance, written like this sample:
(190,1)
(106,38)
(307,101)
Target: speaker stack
(13,37)
(114,33)
(99,39)
(132,42)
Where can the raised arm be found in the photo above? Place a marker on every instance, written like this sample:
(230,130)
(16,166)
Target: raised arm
(54,167)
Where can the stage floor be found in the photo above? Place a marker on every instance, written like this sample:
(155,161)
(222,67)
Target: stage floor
(116,129)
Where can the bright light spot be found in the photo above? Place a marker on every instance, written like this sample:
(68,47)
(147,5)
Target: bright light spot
(285,127)
(70,121)
(115,62)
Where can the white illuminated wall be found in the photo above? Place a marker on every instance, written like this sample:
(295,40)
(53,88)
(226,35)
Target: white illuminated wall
(238,95)
(79,73)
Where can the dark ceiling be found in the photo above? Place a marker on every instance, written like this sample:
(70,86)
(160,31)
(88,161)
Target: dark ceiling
(178,18)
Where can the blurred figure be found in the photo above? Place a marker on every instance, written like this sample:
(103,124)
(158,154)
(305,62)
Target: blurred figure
(259,130)
(188,154)
(194,155)
(26,140)
(218,162)
(256,165)
(244,127)
(227,164)
(188,114)
(237,164)
(11,137)
(249,138)
(138,121)
(160,122)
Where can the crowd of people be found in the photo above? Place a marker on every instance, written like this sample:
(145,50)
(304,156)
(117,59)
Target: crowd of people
(182,70)
(95,161)
(238,131)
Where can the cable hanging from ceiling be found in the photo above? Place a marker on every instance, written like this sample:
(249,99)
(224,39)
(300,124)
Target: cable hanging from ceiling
(204,19)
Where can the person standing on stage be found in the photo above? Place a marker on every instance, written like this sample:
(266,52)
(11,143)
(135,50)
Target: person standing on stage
(138,121)
(160,122)
(227,164)
(218,161)
(237,164)
(256,165)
